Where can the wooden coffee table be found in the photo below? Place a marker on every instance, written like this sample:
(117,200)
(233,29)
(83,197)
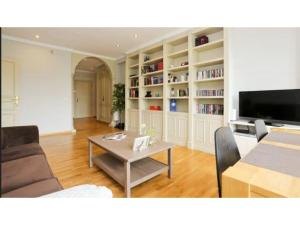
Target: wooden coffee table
(125,166)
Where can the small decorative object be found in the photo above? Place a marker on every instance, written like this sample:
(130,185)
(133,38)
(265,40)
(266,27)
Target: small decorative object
(148,94)
(157,94)
(146,58)
(173,105)
(174,79)
(172,94)
(153,107)
(201,40)
(141,143)
(184,63)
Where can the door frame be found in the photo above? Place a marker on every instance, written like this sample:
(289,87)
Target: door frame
(75,63)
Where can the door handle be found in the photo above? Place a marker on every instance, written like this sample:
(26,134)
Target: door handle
(76,99)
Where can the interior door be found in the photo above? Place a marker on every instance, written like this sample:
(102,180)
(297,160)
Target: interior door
(9,99)
(83,105)
(105,97)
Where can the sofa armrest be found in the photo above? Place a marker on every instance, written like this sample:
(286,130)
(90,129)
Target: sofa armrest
(19,135)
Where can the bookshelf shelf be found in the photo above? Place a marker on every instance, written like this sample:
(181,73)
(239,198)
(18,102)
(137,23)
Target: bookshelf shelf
(209,80)
(207,31)
(153,98)
(178,68)
(210,45)
(209,62)
(183,97)
(153,73)
(178,83)
(153,85)
(133,98)
(135,66)
(208,97)
(178,53)
(152,61)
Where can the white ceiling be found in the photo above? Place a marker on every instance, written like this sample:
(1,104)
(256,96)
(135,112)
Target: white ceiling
(99,41)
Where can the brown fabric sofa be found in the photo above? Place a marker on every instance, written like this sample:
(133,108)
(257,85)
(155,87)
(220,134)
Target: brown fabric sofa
(25,171)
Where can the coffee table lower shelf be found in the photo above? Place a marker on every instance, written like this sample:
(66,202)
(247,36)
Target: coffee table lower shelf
(140,171)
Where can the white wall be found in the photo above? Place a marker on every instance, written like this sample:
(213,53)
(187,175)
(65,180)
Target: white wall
(43,84)
(120,73)
(262,59)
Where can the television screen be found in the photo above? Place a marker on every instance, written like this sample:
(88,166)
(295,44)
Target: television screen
(275,105)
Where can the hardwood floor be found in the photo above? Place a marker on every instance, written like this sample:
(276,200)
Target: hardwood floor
(193,171)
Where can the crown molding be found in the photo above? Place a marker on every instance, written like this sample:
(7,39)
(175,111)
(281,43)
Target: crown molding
(156,40)
(26,41)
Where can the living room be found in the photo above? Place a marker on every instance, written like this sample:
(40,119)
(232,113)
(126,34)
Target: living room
(193,111)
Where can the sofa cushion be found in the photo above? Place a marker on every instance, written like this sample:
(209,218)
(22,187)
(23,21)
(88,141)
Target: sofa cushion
(24,171)
(36,189)
(21,151)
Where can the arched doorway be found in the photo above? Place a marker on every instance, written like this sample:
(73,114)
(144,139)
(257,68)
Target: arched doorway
(92,91)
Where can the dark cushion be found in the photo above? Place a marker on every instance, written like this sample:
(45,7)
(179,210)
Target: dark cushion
(36,189)
(18,135)
(21,151)
(24,171)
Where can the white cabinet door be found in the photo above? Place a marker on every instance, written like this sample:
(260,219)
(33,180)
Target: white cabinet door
(204,131)
(177,128)
(133,120)
(153,120)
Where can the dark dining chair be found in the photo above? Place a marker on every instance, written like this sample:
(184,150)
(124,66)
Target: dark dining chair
(227,152)
(260,129)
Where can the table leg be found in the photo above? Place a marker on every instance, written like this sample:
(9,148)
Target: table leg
(170,162)
(127,179)
(90,154)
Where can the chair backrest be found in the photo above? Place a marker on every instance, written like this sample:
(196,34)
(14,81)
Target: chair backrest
(260,129)
(227,152)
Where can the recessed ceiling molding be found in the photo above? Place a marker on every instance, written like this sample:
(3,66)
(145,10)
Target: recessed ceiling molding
(154,41)
(121,59)
(26,41)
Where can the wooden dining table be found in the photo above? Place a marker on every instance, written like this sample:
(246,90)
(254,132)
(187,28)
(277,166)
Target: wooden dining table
(271,169)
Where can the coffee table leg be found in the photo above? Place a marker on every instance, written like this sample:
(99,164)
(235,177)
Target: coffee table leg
(170,162)
(127,179)
(90,154)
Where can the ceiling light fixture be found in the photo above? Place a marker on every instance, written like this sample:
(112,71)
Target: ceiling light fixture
(37,36)
(135,36)
(118,45)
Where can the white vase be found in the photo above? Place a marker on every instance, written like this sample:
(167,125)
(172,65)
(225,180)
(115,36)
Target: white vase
(116,116)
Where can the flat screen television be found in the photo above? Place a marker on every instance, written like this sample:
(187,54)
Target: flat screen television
(273,106)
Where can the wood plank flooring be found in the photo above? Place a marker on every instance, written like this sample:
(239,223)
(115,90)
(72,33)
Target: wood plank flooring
(194,172)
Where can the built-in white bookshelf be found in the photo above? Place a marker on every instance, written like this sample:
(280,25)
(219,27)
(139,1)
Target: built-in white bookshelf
(177,70)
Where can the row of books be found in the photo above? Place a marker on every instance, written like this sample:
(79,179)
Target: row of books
(213,92)
(134,82)
(133,93)
(209,74)
(153,80)
(213,109)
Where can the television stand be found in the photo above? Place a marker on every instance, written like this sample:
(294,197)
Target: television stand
(268,123)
